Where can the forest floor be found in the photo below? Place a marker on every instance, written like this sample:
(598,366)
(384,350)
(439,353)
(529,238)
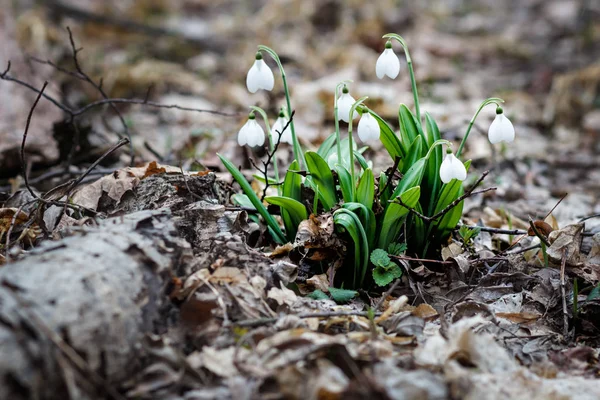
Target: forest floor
(145,281)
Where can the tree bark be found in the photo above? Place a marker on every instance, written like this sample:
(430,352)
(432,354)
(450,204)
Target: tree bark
(99,293)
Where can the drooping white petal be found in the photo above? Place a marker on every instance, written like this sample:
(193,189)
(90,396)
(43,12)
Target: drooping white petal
(387,64)
(452,168)
(368,128)
(501,129)
(251,134)
(286,136)
(344,104)
(259,76)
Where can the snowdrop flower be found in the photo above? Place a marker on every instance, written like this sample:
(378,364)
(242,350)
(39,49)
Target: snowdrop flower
(344,103)
(368,127)
(259,76)
(501,128)
(278,126)
(387,63)
(251,133)
(452,168)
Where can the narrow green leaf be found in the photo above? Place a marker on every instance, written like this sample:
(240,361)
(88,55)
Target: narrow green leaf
(278,235)
(321,177)
(295,210)
(318,295)
(364,164)
(346,184)
(327,145)
(414,153)
(292,188)
(342,295)
(412,178)
(242,200)
(367,219)
(365,191)
(394,216)
(388,138)
(431,180)
(261,179)
(409,124)
(347,221)
(448,193)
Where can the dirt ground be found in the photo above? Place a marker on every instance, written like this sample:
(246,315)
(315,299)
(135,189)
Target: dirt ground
(207,307)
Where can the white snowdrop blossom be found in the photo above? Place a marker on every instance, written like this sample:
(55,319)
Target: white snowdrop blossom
(344,103)
(251,133)
(278,126)
(259,76)
(387,63)
(452,168)
(501,129)
(368,128)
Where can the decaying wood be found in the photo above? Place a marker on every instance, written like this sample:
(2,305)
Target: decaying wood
(75,313)
(102,291)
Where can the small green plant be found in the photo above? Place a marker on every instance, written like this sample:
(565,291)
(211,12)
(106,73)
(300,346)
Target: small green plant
(466,233)
(416,212)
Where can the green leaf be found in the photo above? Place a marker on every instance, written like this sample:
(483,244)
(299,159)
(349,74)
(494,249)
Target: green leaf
(388,138)
(332,158)
(431,181)
(322,177)
(361,160)
(347,221)
(409,127)
(318,295)
(449,192)
(292,188)
(365,192)
(594,294)
(397,249)
(342,295)
(367,219)
(295,210)
(292,184)
(242,200)
(261,179)
(380,258)
(278,235)
(327,145)
(394,216)
(414,153)
(411,179)
(346,184)
(384,277)
(384,197)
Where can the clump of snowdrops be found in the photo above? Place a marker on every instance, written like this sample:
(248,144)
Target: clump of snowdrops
(378,216)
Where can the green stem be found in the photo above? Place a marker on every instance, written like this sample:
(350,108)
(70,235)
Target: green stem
(438,142)
(298,154)
(413,81)
(337,122)
(263,114)
(491,100)
(350,141)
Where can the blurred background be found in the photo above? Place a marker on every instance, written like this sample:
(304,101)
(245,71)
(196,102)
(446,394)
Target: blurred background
(541,56)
